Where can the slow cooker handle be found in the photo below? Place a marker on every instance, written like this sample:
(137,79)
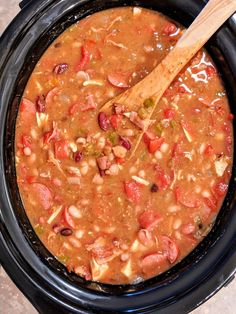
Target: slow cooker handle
(24,3)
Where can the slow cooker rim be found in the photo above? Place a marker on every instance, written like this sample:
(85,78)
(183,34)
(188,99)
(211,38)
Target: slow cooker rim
(3,232)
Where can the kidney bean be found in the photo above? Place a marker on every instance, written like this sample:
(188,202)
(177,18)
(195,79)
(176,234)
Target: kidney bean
(66,232)
(57,45)
(103,121)
(154,188)
(60,68)
(78,156)
(40,105)
(125,142)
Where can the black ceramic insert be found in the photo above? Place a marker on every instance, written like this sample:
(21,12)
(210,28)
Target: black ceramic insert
(36,272)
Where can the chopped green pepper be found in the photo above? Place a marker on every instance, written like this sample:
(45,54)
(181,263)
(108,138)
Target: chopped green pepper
(149,103)
(63,259)
(39,229)
(142,113)
(159,129)
(113,137)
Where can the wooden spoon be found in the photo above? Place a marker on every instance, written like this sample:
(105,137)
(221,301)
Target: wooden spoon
(214,14)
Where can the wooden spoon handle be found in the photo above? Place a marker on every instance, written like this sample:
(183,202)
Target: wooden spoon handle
(214,14)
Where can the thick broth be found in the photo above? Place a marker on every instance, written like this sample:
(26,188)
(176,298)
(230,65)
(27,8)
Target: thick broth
(106,218)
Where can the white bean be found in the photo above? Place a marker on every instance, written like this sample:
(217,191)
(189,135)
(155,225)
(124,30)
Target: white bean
(101,142)
(92,163)
(127,132)
(206,193)
(27,151)
(124,257)
(74,211)
(173,208)
(164,147)
(96,228)
(142,174)
(84,202)
(76,243)
(84,168)
(79,234)
(177,223)
(97,179)
(158,155)
(132,170)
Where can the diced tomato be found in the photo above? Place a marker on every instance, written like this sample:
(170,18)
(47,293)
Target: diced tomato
(187,199)
(188,228)
(163,179)
(68,218)
(211,202)
(120,160)
(155,144)
(61,149)
(176,150)
(149,219)
(115,120)
(170,249)
(92,48)
(220,188)
(209,151)
(182,90)
(152,261)
(27,106)
(133,192)
(53,134)
(226,128)
(210,71)
(169,29)
(220,111)
(169,113)
(147,137)
(30,179)
(43,194)
(230,116)
(26,141)
(118,79)
(84,61)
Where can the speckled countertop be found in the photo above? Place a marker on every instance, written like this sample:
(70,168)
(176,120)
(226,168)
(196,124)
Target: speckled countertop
(12,300)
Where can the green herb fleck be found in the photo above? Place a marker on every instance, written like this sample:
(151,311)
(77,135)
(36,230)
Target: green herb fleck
(63,259)
(113,138)
(142,113)
(39,230)
(173,124)
(159,129)
(149,103)
(143,156)
(81,133)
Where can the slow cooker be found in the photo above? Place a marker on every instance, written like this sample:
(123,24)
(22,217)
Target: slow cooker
(43,280)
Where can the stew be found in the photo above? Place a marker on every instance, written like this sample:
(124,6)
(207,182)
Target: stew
(104,217)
